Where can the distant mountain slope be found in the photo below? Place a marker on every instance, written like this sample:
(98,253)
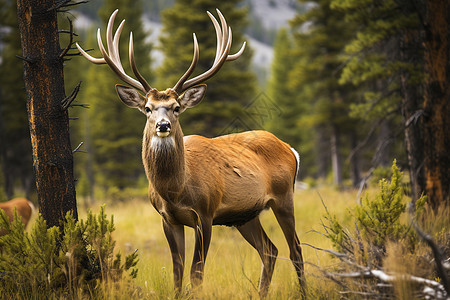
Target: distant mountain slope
(273,13)
(265,18)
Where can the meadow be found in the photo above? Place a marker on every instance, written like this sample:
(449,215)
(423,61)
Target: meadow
(232,267)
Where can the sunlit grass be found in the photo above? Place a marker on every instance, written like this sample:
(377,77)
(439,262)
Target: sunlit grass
(233,267)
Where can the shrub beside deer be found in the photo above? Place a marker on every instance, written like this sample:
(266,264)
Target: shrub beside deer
(200,182)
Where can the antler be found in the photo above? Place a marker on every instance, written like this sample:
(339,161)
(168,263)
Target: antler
(224,37)
(113,58)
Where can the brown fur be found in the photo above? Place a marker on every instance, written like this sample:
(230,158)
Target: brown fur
(200,182)
(228,180)
(24,208)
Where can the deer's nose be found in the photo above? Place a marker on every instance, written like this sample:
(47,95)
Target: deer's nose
(163,128)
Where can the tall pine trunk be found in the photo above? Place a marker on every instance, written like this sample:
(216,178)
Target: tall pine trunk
(354,160)
(48,119)
(411,110)
(426,110)
(336,163)
(436,106)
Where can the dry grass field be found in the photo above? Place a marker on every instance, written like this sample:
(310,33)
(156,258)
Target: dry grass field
(232,266)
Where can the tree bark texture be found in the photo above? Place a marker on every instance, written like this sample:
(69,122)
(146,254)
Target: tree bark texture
(48,120)
(436,106)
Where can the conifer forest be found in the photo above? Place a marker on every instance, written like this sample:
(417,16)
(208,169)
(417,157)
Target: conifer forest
(360,89)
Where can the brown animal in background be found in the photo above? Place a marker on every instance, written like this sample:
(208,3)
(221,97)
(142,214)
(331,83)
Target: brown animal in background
(200,182)
(25,209)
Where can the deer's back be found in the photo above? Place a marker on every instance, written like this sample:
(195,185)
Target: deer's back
(242,171)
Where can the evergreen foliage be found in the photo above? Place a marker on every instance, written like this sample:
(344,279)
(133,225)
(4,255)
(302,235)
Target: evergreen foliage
(320,37)
(231,88)
(374,63)
(15,146)
(379,218)
(53,264)
(385,248)
(114,132)
(284,125)
(378,221)
(373,55)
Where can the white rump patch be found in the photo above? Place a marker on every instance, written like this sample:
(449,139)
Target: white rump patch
(297,157)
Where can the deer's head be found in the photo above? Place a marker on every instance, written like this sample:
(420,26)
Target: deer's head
(163,108)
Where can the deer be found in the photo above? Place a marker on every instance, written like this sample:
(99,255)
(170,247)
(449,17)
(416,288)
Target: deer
(199,182)
(24,208)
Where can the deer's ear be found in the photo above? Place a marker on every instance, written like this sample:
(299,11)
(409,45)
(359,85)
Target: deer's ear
(192,96)
(130,96)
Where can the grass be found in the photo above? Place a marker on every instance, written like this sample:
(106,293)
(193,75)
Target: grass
(232,267)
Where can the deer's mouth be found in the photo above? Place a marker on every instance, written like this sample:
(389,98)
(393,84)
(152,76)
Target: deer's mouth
(163,129)
(162,134)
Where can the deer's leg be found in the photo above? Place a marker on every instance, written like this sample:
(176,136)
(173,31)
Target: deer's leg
(253,232)
(175,238)
(203,231)
(285,217)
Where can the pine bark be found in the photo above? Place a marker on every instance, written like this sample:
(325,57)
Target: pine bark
(426,109)
(48,120)
(436,107)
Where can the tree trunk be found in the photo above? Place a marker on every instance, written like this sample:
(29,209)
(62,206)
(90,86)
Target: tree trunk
(336,156)
(48,120)
(427,117)
(412,100)
(354,160)
(382,154)
(322,157)
(436,106)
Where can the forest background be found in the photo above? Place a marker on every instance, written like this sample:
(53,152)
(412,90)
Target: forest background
(327,77)
(351,84)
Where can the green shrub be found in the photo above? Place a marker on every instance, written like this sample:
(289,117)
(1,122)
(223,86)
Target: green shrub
(382,242)
(377,222)
(379,218)
(47,263)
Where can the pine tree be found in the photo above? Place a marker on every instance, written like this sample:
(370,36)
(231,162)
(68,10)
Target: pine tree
(114,131)
(374,66)
(47,109)
(435,110)
(284,124)
(320,37)
(231,88)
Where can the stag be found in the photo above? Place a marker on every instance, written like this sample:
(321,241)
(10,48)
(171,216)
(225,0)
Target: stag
(200,182)
(23,207)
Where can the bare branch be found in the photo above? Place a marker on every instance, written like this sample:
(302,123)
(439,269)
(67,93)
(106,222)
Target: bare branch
(28,60)
(81,105)
(67,31)
(64,52)
(438,257)
(77,149)
(64,3)
(65,103)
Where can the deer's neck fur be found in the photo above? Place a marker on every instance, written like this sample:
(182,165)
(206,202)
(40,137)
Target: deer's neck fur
(164,162)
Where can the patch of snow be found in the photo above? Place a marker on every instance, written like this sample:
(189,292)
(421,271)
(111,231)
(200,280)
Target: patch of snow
(82,22)
(273,13)
(154,28)
(262,53)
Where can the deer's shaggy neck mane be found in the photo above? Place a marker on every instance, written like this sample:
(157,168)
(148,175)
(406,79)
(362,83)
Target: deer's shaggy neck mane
(164,164)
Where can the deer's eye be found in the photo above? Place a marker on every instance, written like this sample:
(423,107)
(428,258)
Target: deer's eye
(147,109)
(176,109)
